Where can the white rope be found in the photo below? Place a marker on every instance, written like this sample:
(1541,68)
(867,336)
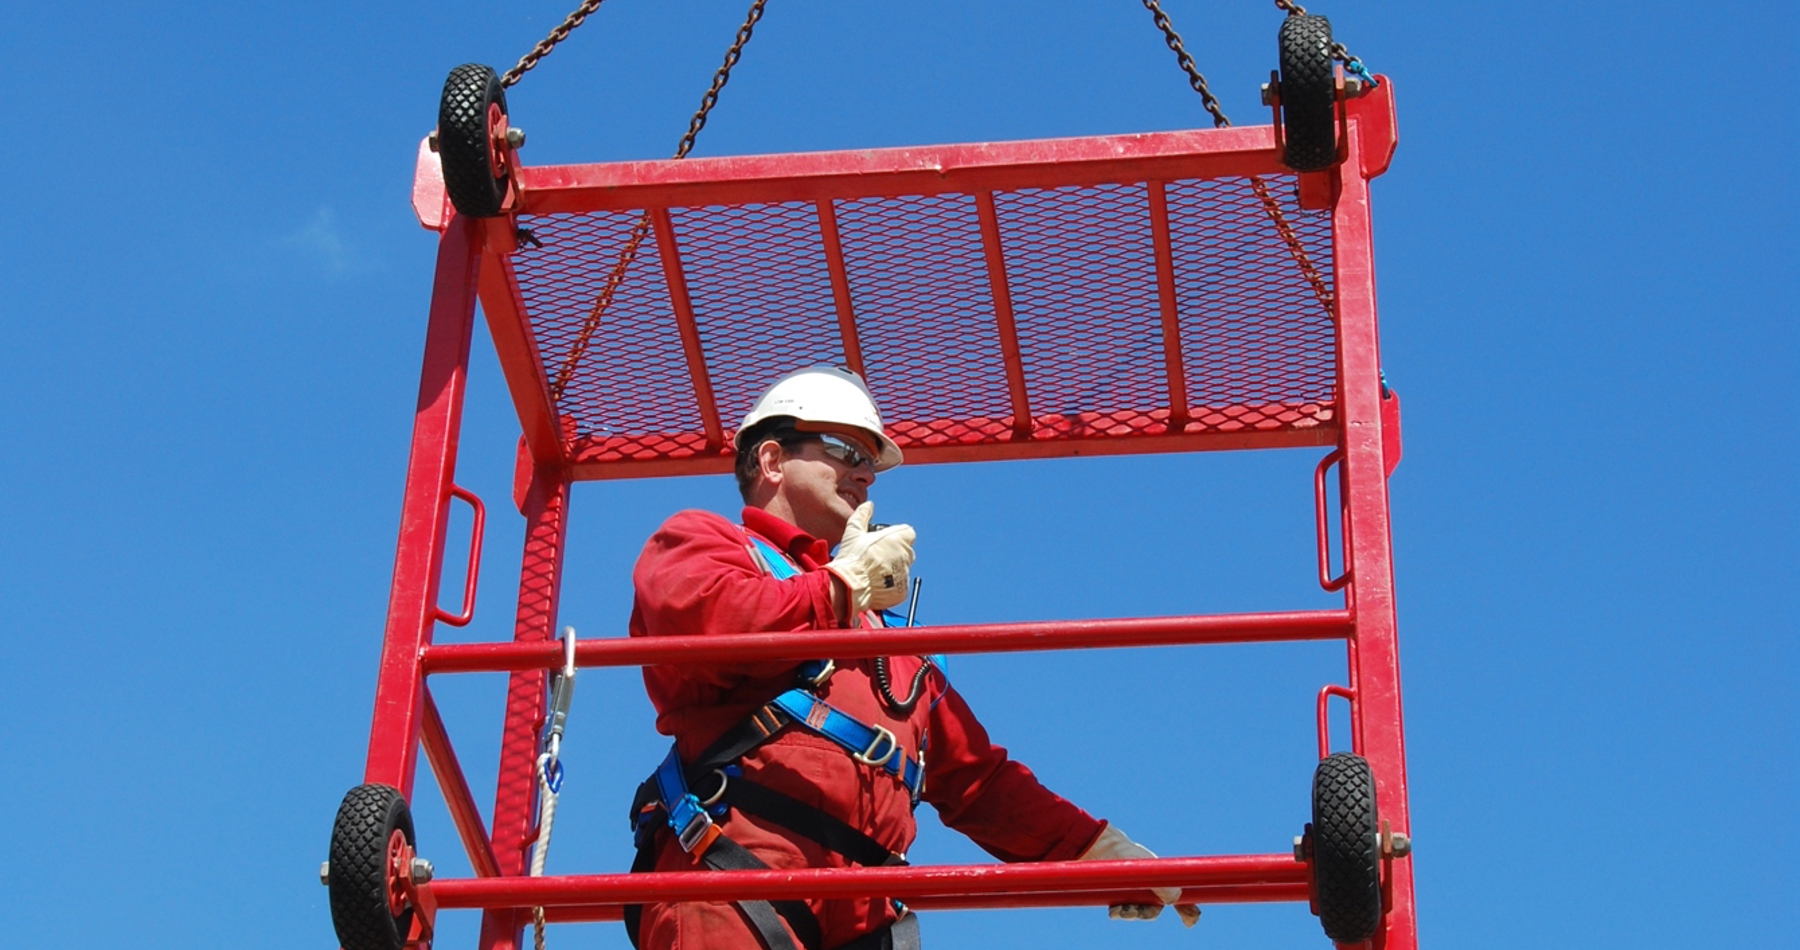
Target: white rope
(548,765)
(546,820)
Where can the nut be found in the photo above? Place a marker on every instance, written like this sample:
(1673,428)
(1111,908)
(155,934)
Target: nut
(1299,847)
(1399,845)
(421,871)
(1353,87)
(515,138)
(325,873)
(1268,93)
(431,141)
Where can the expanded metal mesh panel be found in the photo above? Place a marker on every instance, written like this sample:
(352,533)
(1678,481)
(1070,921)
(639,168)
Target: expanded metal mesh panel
(1257,337)
(916,278)
(618,371)
(1083,275)
(761,296)
(925,314)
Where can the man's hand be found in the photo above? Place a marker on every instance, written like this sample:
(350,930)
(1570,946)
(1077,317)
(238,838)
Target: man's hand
(1112,845)
(873,565)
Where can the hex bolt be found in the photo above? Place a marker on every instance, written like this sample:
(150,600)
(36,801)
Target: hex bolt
(421,871)
(325,873)
(1268,93)
(1300,848)
(515,138)
(1353,87)
(1399,845)
(431,141)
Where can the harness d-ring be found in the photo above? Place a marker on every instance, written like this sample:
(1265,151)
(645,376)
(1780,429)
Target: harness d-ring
(713,799)
(868,756)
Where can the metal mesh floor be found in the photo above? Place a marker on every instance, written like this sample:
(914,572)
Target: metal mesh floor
(1076,271)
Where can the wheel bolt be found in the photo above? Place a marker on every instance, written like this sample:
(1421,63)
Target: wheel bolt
(515,138)
(1399,845)
(1268,93)
(421,871)
(431,141)
(325,873)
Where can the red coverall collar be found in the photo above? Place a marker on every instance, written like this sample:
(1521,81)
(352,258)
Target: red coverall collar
(812,553)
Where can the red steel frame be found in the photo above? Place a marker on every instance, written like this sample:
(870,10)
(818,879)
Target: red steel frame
(474,260)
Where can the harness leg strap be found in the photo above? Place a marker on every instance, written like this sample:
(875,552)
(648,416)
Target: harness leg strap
(902,934)
(765,917)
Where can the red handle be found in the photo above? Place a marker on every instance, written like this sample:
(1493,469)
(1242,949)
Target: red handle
(1324,708)
(1324,529)
(468,607)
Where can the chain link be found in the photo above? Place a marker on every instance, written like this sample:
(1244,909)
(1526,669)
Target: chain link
(720,78)
(548,43)
(1173,39)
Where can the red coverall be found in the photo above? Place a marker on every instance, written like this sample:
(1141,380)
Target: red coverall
(696,575)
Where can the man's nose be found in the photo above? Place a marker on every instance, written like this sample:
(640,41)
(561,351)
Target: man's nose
(863,475)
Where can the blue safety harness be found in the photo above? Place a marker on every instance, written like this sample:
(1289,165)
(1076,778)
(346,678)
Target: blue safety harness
(668,794)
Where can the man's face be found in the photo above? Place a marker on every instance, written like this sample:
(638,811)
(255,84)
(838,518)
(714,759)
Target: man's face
(820,490)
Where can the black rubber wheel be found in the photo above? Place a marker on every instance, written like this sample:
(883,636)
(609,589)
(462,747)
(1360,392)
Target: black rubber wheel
(1346,848)
(1308,94)
(361,905)
(472,176)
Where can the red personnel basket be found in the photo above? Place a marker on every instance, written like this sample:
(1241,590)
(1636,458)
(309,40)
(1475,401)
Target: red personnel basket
(1179,291)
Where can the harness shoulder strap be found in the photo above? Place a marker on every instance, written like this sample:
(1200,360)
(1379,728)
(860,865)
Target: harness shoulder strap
(772,561)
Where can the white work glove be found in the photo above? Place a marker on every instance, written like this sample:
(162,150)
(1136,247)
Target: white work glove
(1112,845)
(873,564)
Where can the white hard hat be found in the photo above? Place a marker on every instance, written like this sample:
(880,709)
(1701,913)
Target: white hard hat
(828,396)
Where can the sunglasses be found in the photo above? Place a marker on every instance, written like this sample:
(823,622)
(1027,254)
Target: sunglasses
(845,451)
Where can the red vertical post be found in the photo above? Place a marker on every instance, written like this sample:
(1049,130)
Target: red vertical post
(546,507)
(685,320)
(1374,654)
(425,512)
(840,285)
(1001,287)
(1165,295)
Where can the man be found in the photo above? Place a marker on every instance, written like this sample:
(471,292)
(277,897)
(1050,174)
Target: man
(818,765)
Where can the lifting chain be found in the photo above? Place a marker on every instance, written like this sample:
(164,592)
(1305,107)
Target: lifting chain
(642,229)
(1283,227)
(548,43)
(1196,80)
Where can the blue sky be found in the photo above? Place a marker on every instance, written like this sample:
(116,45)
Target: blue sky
(214,308)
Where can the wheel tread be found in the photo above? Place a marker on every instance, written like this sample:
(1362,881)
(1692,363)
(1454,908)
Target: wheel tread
(1308,93)
(358,856)
(462,140)
(1346,848)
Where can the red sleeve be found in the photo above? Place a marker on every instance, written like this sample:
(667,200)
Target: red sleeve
(696,576)
(996,801)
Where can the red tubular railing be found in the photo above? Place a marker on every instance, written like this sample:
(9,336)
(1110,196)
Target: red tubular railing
(1220,894)
(1059,882)
(969,638)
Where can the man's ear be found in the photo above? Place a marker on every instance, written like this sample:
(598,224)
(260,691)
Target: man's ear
(768,462)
